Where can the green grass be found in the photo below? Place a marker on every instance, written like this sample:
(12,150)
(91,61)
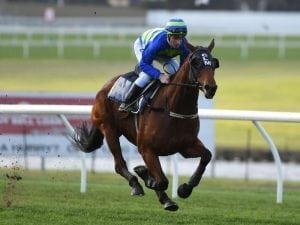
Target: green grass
(262,82)
(115,52)
(53,197)
(58,76)
(265,85)
(270,85)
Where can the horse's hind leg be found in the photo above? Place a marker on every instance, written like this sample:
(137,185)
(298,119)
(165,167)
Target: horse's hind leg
(198,150)
(113,142)
(163,198)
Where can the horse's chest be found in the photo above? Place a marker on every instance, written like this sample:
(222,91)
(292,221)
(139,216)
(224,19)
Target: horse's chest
(170,135)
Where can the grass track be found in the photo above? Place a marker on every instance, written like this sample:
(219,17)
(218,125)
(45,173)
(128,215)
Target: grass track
(53,197)
(249,85)
(58,76)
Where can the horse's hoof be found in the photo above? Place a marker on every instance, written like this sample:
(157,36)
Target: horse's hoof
(171,206)
(184,190)
(137,191)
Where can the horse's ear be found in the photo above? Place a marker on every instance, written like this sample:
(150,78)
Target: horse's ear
(216,63)
(190,46)
(211,45)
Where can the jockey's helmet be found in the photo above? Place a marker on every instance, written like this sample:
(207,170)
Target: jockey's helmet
(176,27)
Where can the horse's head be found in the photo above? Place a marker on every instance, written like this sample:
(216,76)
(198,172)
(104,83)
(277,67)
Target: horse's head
(202,69)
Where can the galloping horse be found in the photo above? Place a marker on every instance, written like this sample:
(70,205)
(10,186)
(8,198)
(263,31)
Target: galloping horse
(170,124)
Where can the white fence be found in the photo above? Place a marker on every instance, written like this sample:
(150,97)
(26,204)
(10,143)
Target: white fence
(85,37)
(254,116)
(201,23)
(244,45)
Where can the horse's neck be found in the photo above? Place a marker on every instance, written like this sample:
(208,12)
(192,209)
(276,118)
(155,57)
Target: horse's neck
(182,99)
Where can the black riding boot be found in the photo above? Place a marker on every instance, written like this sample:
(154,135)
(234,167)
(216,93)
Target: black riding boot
(133,93)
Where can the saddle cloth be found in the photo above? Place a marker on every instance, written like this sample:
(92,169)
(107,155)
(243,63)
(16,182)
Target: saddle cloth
(119,91)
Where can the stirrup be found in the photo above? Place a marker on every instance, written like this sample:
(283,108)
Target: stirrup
(133,107)
(122,107)
(128,107)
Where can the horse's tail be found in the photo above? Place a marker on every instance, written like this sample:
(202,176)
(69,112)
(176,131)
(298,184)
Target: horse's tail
(87,140)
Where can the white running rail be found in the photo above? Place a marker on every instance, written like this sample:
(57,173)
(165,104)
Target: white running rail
(217,114)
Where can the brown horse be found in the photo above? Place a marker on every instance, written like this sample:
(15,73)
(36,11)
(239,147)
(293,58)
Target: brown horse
(170,124)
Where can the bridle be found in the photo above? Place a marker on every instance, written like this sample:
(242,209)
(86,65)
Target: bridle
(205,58)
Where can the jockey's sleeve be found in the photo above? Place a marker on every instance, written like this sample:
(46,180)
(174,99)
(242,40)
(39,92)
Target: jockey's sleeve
(149,69)
(148,57)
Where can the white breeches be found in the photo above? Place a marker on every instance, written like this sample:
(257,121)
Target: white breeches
(170,66)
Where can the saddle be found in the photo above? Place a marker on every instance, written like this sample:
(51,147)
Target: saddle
(120,89)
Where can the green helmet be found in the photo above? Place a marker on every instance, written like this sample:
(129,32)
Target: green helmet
(176,27)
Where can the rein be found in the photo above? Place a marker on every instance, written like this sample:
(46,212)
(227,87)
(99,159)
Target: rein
(192,83)
(184,116)
(192,79)
(195,85)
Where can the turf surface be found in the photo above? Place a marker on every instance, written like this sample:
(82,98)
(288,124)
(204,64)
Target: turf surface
(247,85)
(53,197)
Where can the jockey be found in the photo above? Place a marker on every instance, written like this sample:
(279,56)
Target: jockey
(161,45)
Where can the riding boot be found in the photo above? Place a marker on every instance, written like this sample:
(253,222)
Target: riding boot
(133,93)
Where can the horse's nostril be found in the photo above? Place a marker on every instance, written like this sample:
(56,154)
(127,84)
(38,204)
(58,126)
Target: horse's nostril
(206,87)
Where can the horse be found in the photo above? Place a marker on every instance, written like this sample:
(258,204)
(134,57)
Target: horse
(168,125)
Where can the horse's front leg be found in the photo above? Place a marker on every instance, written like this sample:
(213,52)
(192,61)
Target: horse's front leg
(154,178)
(113,142)
(163,198)
(197,150)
